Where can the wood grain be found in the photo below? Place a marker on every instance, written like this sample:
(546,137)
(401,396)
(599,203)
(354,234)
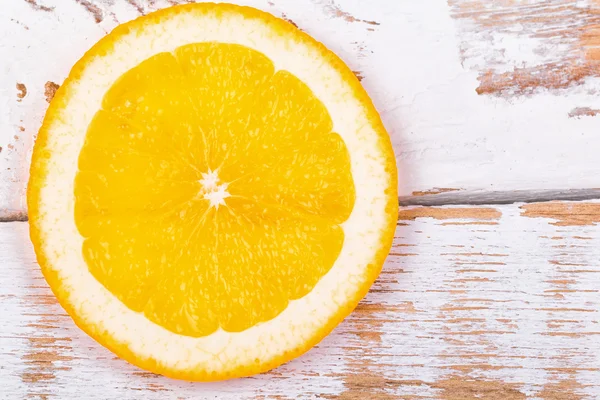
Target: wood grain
(462,310)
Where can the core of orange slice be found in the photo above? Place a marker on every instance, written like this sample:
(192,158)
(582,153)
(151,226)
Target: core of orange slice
(211,192)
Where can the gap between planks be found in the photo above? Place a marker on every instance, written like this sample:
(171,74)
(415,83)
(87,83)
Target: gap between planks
(446,197)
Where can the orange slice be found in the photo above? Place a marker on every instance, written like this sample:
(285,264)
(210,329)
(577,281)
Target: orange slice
(211,192)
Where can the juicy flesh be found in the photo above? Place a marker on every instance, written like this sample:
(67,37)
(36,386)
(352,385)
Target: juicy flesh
(211,189)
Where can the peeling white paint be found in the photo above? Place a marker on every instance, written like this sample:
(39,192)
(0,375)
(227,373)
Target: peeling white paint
(457,297)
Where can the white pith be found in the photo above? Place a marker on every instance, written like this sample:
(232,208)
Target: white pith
(222,350)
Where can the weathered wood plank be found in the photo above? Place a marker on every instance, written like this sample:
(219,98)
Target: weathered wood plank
(474,302)
(477,95)
(558,39)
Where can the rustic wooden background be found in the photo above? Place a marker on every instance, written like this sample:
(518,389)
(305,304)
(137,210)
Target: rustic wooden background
(491,290)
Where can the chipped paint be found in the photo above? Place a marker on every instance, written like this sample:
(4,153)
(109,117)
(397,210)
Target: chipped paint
(335,11)
(137,6)
(478,213)
(579,112)
(92,9)
(558,40)
(50,89)
(367,385)
(474,254)
(470,223)
(46,354)
(359,75)
(36,6)
(286,18)
(460,388)
(563,390)
(22,91)
(527,80)
(19,23)
(564,213)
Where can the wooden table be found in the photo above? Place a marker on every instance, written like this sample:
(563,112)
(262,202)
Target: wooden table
(491,290)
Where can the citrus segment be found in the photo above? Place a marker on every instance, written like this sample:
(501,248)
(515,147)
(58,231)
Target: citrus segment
(293,155)
(224,81)
(165,230)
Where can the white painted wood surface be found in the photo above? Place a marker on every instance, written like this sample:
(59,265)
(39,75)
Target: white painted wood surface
(422,61)
(481,98)
(483,302)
